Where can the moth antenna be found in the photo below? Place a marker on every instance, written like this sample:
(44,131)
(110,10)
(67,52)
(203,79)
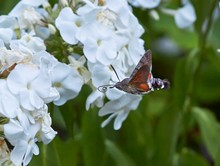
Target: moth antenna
(115,72)
(104,88)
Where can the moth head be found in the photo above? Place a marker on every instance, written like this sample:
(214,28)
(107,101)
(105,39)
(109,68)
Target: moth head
(157,83)
(121,85)
(166,84)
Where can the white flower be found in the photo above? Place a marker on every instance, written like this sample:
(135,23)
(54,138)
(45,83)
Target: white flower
(22,140)
(100,74)
(8,22)
(107,13)
(52,29)
(67,82)
(2,43)
(95,98)
(31,85)
(134,47)
(98,45)
(149,4)
(68,24)
(106,17)
(9,105)
(7,26)
(116,42)
(17,46)
(30,17)
(45,61)
(113,19)
(114,94)
(42,117)
(119,109)
(11,57)
(35,44)
(185,16)
(34,2)
(46,133)
(78,65)
(6,35)
(27,15)
(42,32)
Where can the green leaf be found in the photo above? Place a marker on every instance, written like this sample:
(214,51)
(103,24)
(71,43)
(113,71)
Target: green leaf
(166,138)
(92,139)
(215,35)
(189,158)
(208,80)
(183,78)
(217,158)
(183,38)
(7,6)
(47,156)
(210,129)
(57,153)
(68,114)
(72,112)
(66,151)
(202,10)
(137,135)
(120,158)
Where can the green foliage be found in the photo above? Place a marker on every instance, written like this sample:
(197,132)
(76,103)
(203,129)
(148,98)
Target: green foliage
(178,127)
(210,129)
(189,158)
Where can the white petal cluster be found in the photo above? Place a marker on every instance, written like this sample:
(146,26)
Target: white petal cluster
(104,30)
(119,107)
(30,85)
(110,35)
(30,78)
(27,15)
(7,25)
(95,35)
(184,16)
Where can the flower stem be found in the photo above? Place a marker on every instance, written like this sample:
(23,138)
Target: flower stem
(204,33)
(203,41)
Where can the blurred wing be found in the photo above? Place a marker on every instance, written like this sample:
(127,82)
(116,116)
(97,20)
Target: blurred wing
(142,71)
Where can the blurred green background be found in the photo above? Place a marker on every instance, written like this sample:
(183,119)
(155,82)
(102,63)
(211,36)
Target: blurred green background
(177,127)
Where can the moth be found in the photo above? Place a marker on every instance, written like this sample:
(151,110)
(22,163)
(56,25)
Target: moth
(141,80)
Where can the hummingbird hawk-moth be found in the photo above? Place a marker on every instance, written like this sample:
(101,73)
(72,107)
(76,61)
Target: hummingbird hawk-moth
(141,80)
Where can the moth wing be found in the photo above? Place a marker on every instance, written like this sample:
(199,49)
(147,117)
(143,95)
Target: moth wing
(142,71)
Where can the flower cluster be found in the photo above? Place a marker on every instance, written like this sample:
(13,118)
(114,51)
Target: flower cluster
(184,16)
(30,79)
(110,35)
(96,34)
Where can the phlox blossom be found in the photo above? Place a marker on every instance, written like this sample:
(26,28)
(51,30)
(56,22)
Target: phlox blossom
(119,107)
(32,88)
(67,82)
(23,140)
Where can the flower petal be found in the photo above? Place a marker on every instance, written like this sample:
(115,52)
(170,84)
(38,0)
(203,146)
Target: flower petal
(120,119)
(185,16)
(65,23)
